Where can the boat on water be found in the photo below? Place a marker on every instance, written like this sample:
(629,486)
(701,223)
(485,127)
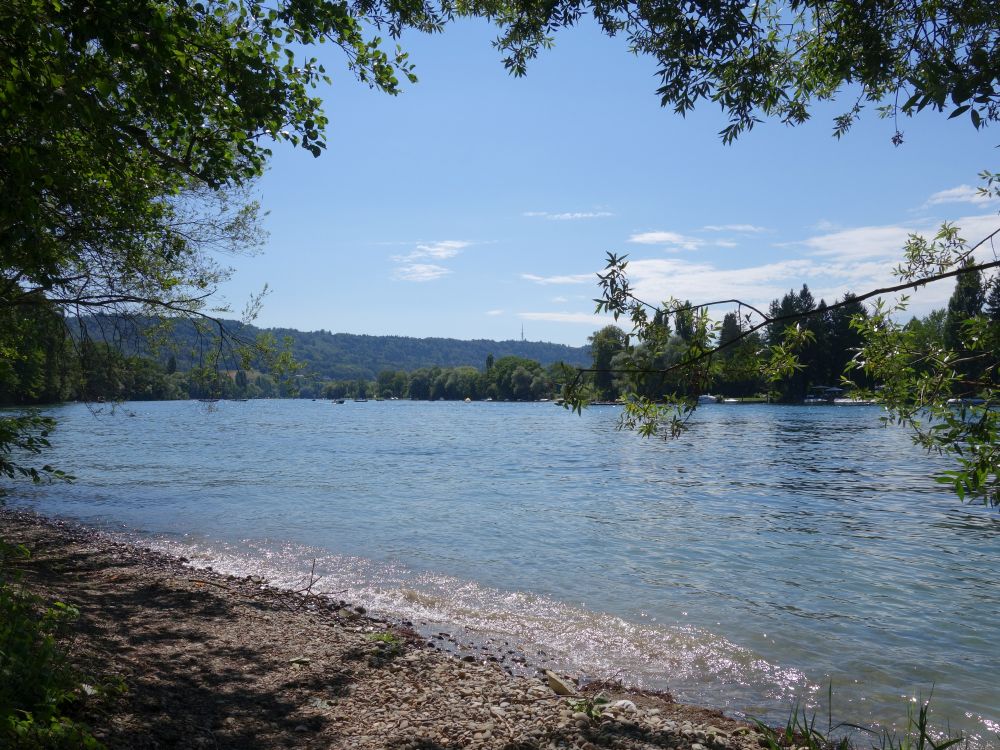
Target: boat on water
(966,401)
(708,398)
(338,401)
(208,400)
(361,400)
(822,394)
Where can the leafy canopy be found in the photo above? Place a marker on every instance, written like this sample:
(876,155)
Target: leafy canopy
(940,378)
(774,59)
(131,132)
(128,127)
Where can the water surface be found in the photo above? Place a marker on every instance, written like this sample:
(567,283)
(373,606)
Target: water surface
(772,550)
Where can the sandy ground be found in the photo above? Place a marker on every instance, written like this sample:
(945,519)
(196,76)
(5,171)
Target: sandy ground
(211,661)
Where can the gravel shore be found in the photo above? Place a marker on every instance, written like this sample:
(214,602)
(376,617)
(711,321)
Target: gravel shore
(211,661)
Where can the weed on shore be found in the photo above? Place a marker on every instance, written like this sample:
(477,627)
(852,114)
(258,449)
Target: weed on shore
(41,695)
(800,732)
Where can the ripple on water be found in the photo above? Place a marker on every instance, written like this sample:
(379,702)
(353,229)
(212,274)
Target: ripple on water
(770,551)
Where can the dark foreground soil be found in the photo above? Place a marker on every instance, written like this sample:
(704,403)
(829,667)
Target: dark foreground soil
(210,661)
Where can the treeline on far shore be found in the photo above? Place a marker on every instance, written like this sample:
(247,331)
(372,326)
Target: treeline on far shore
(102,374)
(44,362)
(827,338)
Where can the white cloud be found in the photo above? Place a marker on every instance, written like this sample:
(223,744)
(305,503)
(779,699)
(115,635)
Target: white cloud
(960,194)
(862,242)
(746,228)
(578,278)
(560,299)
(976,228)
(670,239)
(436,251)
(589,319)
(409,267)
(725,243)
(494,312)
(420,272)
(886,242)
(662,278)
(569,215)
(856,260)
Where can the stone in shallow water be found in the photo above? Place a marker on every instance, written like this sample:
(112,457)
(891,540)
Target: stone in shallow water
(558,684)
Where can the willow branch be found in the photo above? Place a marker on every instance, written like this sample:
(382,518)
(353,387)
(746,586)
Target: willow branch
(792,317)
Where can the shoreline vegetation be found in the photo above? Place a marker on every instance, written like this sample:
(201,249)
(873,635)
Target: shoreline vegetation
(152,652)
(117,358)
(185,657)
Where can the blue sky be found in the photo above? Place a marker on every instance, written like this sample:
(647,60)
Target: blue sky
(475,202)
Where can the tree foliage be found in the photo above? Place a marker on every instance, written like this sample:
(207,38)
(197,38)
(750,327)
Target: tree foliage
(940,376)
(926,386)
(775,59)
(165,110)
(605,345)
(44,700)
(131,133)
(334,356)
(965,302)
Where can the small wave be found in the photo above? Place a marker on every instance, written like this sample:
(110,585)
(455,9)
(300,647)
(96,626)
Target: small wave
(695,665)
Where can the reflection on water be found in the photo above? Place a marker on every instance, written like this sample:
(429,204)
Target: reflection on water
(768,552)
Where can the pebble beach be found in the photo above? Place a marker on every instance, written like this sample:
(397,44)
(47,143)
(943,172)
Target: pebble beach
(217,661)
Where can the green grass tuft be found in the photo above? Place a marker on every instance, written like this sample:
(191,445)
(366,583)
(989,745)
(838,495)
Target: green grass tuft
(800,732)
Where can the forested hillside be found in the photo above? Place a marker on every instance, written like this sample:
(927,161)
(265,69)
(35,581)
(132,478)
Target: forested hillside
(339,356)
(345,356)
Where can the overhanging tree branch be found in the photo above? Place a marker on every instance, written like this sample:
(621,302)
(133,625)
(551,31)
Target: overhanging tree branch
(793,317)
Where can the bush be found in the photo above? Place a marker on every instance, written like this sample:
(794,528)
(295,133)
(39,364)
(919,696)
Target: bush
(38,687)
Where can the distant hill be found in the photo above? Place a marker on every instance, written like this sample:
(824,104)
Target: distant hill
(345,356)
(340,356)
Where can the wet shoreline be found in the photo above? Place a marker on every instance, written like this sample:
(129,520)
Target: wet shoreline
(220,661)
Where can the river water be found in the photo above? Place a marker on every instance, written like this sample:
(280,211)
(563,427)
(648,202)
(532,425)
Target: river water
(769,553)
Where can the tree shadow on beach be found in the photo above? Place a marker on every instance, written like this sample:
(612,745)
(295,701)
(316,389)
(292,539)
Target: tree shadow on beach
(200,670)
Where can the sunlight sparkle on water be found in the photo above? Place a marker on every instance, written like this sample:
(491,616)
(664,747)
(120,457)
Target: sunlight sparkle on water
(683,659)
(775,550)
